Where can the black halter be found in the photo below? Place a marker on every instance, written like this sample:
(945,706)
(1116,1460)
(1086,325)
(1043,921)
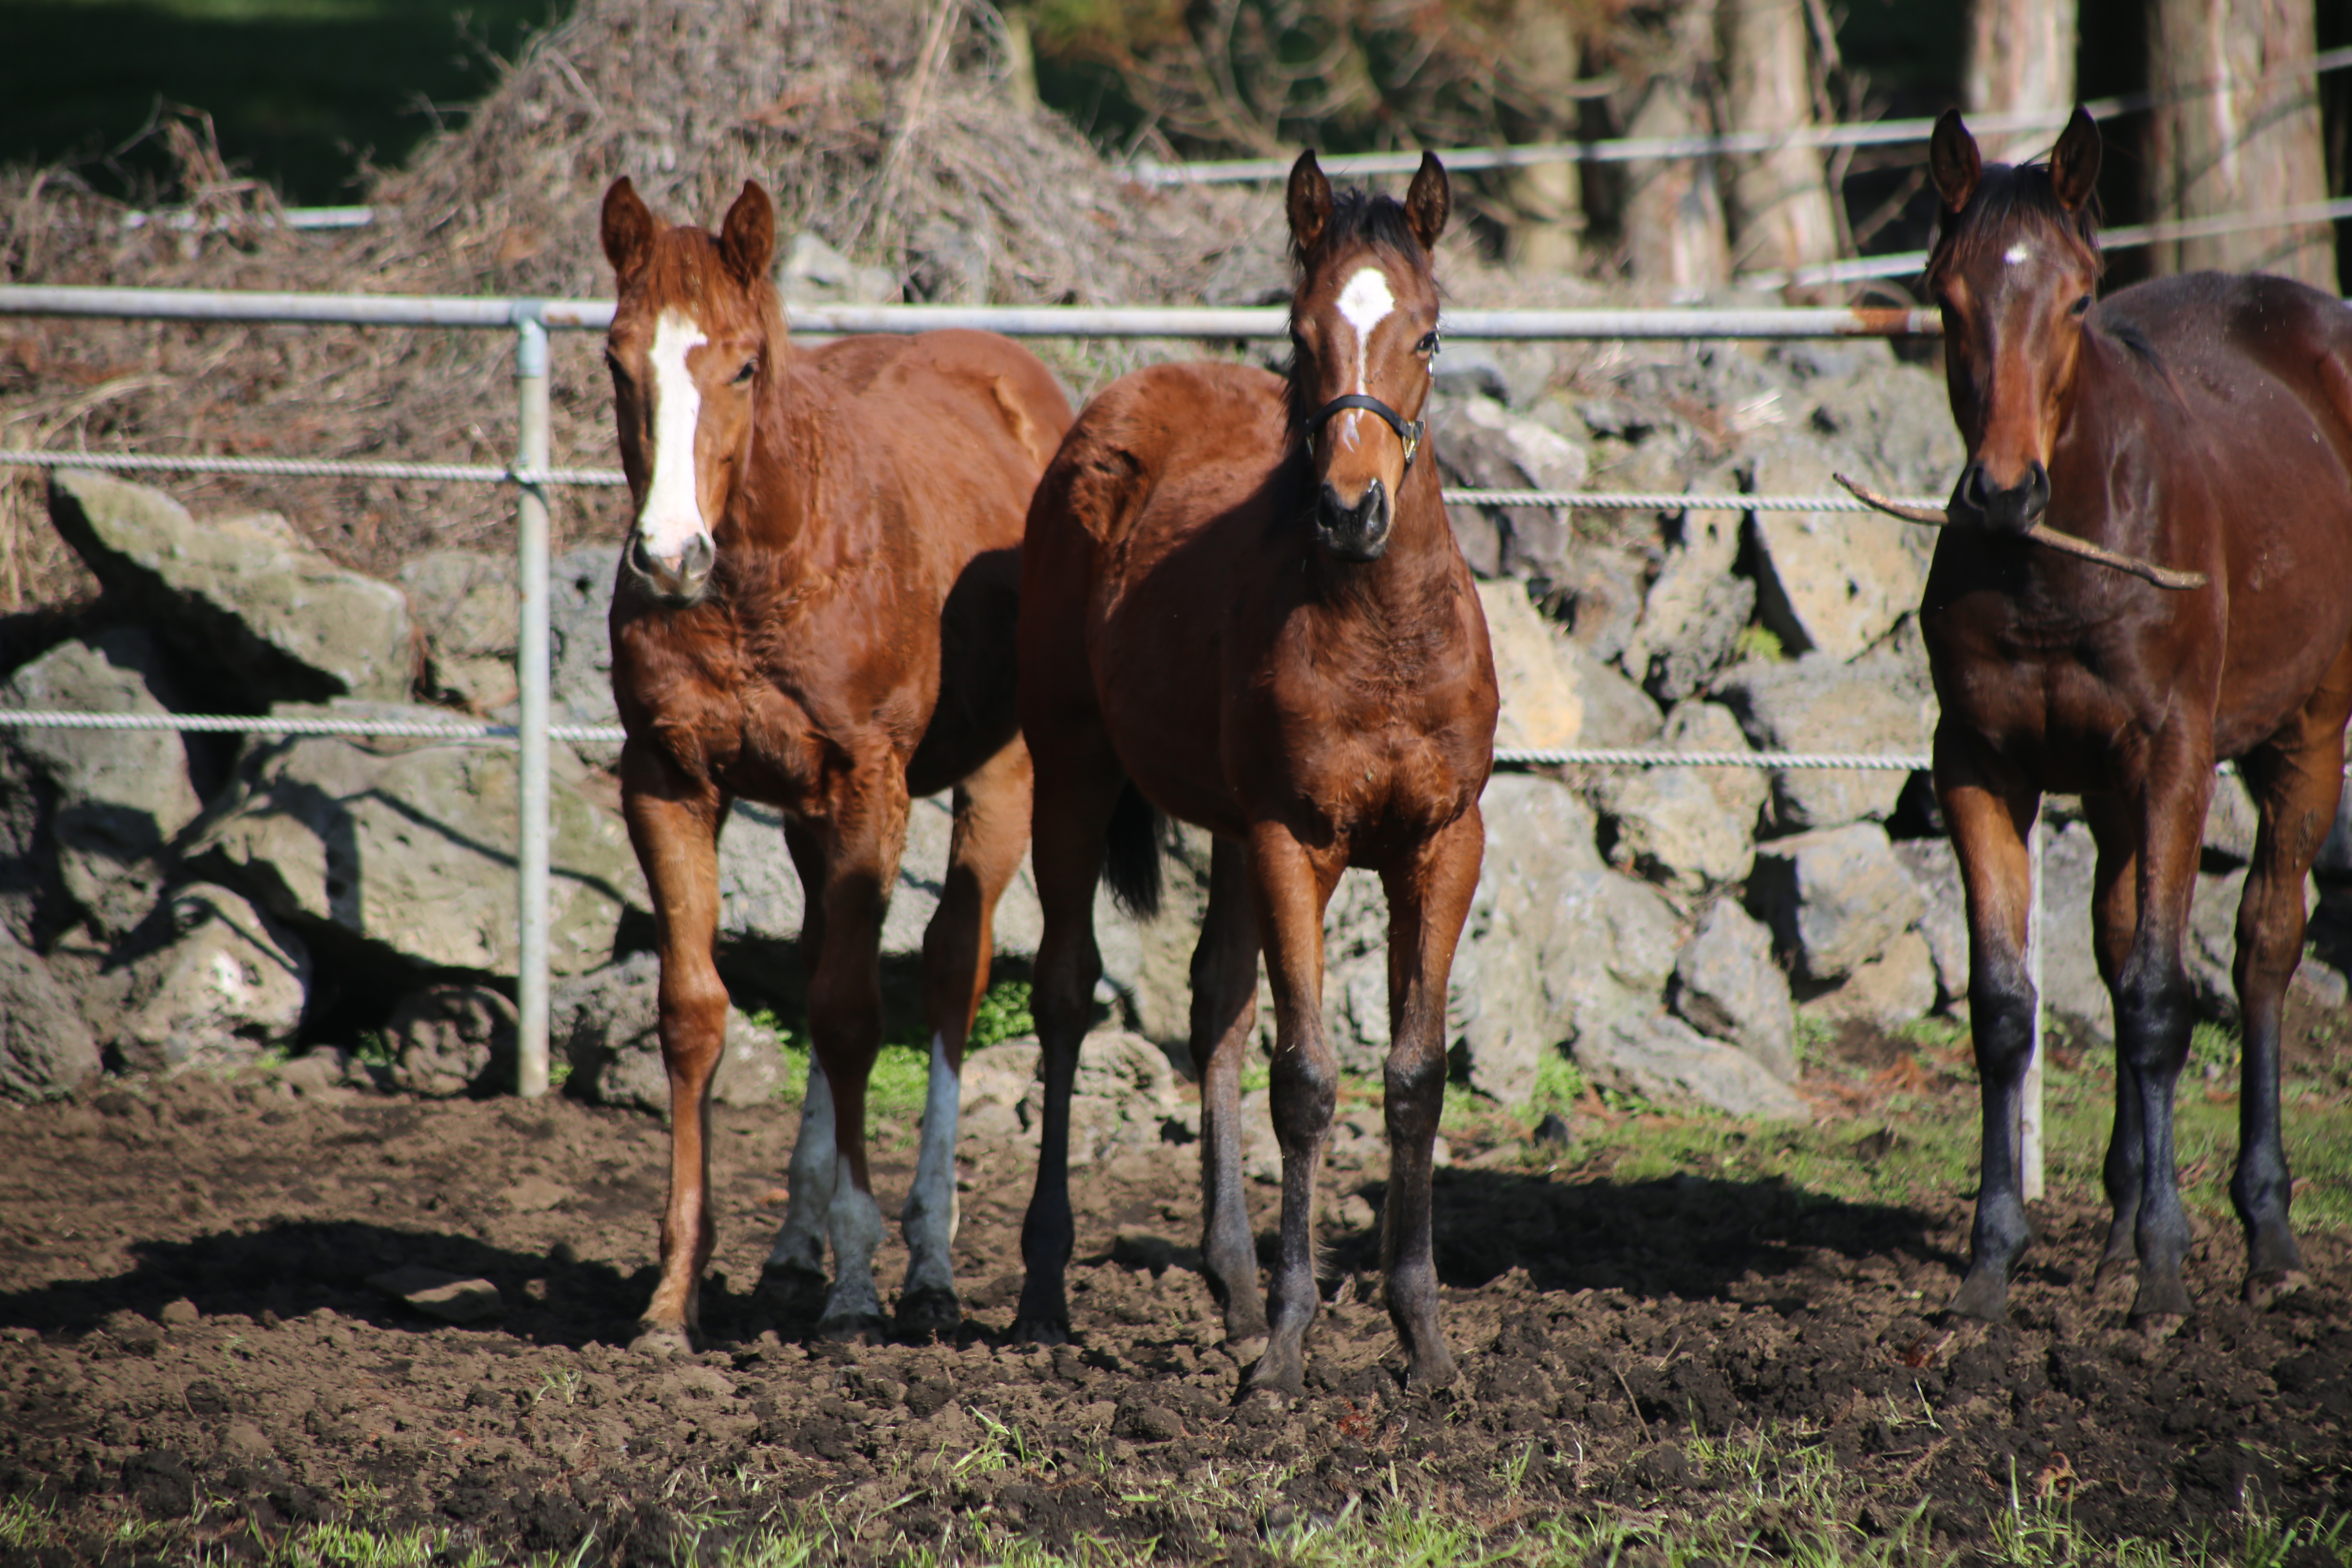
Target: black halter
(1408,430)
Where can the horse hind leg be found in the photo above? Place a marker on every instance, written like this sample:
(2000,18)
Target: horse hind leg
(992,828)
(2115,918)
(1224,1016)
(2297,778)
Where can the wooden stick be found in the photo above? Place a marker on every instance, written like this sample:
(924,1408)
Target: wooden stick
(2039,533)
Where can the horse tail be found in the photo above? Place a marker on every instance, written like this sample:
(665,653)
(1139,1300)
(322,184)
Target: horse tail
(1131,853)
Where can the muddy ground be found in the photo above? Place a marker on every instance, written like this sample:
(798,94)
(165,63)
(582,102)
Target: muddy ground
(188,1338)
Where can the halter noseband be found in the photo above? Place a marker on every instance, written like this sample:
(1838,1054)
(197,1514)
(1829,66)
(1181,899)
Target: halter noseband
(1408,430)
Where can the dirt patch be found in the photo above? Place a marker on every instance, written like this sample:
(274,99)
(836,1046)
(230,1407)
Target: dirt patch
(188,1337)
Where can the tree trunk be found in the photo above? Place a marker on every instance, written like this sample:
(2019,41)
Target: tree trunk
(1672,212)
(2020,59)
(2237,131)
(1780,208)
(1542,63)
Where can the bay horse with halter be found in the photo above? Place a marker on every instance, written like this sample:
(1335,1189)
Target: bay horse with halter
(815,610)
(1241,606)
(2202,422)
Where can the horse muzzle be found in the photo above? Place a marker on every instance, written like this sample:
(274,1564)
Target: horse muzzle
(2013,510)
(674,581)
(1358,532)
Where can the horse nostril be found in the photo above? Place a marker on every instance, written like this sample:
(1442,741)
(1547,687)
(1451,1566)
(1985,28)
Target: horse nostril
(695,562)
(641,560)
(1972,486)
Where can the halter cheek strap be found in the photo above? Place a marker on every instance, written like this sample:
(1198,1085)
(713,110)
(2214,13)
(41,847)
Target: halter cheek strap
(1408,430)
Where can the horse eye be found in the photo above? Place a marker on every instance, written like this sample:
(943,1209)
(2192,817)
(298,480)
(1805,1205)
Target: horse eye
(751,368)
(2081,306)
(1428,344)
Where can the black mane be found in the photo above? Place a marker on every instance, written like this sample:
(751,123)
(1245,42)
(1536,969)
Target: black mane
(2008,199)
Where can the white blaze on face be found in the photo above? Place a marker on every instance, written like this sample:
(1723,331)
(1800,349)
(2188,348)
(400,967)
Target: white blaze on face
(672,518)
(2017,253)
(1364,303)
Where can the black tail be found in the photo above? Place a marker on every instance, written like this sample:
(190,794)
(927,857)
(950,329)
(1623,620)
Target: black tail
(1131,854)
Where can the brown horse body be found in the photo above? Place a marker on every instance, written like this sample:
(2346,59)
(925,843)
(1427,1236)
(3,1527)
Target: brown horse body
(1253,636)
(815,610)
(2205,423)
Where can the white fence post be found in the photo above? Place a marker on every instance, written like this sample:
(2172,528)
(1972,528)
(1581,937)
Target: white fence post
(531,676)
(2028,1115)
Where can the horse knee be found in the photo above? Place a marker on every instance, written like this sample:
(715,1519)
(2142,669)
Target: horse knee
(1413,1091)
(693,1018)
(1304,1091)
(2000,1016)
(2154,1016)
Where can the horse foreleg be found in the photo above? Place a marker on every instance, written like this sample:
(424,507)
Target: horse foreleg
(1291,889)
(1428,902)
(2298,779)
(992,828)
(1989,816)
(863,838)
(1224,1017)
(2114,923)
(795,1275)
(674,826)
(2153,1012)
(1079,782)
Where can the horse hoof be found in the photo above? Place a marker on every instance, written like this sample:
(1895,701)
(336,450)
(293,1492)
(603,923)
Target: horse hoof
(793,1292)
(1425,1374)
(663,1342)
(854,1328)
(929,1315)
(2266,1291)
(1040,1330)
(1285,1376)
(1983,1294)
(1246,1349)
(2159,1297)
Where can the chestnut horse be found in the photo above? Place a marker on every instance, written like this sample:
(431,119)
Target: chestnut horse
(815,610)
(2204,422)
(1241,598)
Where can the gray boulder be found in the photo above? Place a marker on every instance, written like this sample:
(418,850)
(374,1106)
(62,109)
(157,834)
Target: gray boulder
(1727,984)
(243,597)
(1835,900)
(1538,674)
(1602,590)
(580,640)
(1835,582)
(1616,711)
(209,981)
(468,606)
(407,848)
(2230,822)
(1945,926)
(1896,988)
(448,1039)
(1696,608)
(1662,1059)
(2071,985)
(1709,727)
(1815,704)
(1483,445)
(1124,1095)
(46,1048)
(86,816)
(1900,416)
(605,1025)
(1669,827)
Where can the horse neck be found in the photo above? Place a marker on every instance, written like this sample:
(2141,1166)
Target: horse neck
(773,509)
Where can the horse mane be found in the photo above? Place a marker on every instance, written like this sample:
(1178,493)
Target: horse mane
(2008,197)
(1359,218)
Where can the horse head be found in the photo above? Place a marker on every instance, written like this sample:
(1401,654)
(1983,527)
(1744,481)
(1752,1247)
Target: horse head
(697,335)
(2013,271)
(1363,331)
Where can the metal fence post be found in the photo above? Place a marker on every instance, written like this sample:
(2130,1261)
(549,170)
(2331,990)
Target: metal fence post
(531,676)
(2028,1115)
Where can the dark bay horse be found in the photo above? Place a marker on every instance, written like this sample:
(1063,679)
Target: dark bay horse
(2203,423)
(815,610)
(1241,604)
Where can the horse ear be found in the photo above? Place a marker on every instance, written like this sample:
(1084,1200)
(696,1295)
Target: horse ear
(628,229)
(2074,162)
(1429,201)
(1309,202)
(1952,160)
(748,238)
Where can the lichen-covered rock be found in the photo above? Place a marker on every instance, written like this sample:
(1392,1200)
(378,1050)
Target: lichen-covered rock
(1696,608)
(1663,1060)
(606,1026)
(1835,900)
(46,1048)
(242,597)
(1896,988)
(1945,926)
(1535,671)
(470,608)
(1873,706)
(1484,445)
(86,816)
(209,980)
(1124,1094)
(1726,986)
(406,847)
(1669,827)
(448,1039)
(1835,582)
